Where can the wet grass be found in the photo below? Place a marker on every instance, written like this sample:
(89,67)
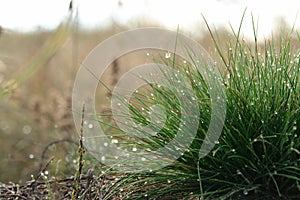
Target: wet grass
(257,155)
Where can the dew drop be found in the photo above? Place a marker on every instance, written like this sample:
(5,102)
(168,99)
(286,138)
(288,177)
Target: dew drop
(168,55)
(134,149)
(26,129)
(114,141)
(90,126)
(214,153)
(245,192)
(31,156)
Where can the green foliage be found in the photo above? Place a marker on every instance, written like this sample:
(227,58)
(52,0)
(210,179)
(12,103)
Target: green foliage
(257,155)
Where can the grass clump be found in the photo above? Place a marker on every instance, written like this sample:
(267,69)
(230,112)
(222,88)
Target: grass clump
(257,155)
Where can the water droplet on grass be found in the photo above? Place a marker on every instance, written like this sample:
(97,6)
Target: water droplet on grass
(27,129)
(114,141)
(168,55)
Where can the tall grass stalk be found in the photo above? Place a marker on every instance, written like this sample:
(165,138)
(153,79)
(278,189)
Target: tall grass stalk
(45,54)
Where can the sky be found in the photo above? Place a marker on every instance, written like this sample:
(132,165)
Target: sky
(29,14)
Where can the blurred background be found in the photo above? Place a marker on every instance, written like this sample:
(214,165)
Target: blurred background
(43,42)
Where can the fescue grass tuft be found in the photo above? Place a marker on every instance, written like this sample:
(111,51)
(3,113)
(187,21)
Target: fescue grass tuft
(257,155)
